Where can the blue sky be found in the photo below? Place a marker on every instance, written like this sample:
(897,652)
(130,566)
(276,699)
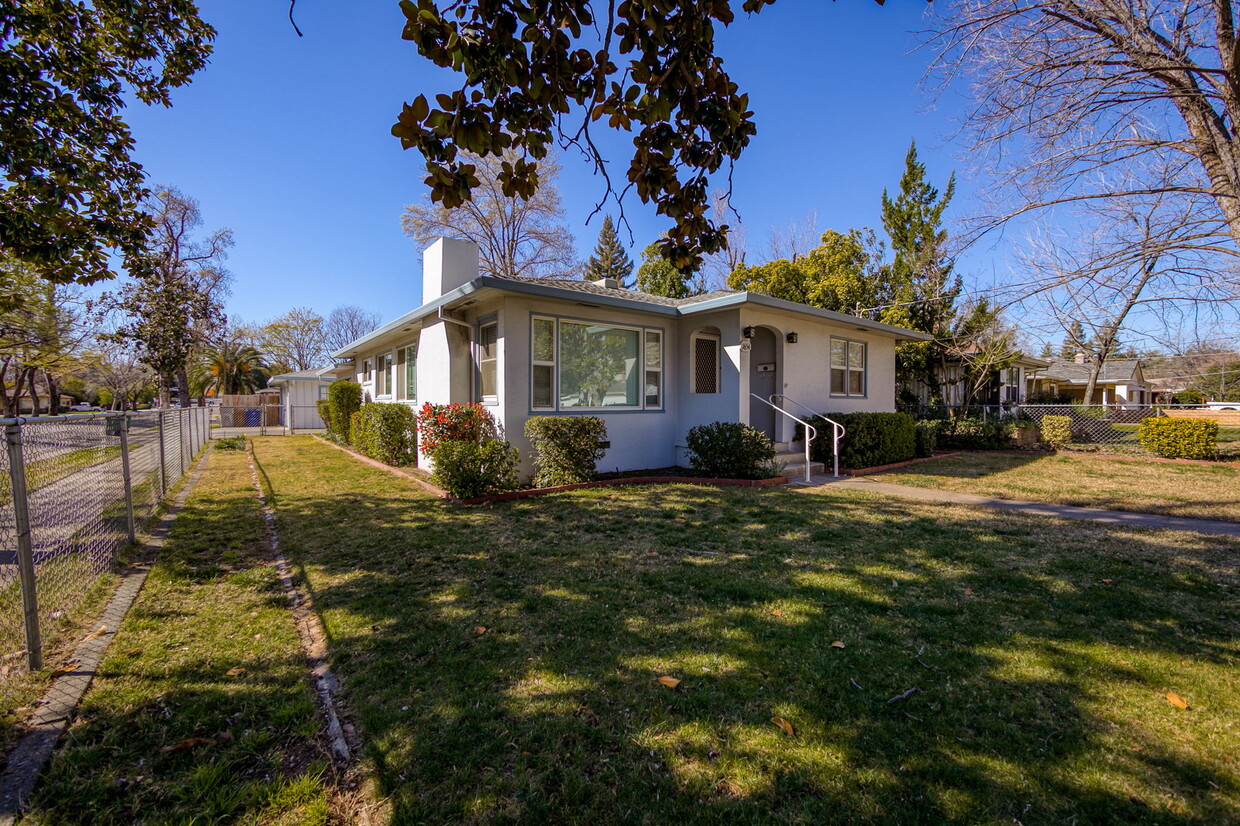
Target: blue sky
(286,140)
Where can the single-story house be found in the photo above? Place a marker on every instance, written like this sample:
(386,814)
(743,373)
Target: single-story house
(1121,381)
(300,393)
(651,367)
(1007,386)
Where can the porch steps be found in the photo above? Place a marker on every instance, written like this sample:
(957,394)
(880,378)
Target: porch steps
(794,463)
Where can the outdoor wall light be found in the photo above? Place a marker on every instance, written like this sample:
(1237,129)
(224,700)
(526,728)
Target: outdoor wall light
(792,338)
(747,332)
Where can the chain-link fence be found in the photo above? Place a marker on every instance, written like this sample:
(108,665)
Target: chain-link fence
(1114,427)
(73,491)
(264,420)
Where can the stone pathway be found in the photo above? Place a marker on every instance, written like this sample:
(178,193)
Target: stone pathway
(1106,517)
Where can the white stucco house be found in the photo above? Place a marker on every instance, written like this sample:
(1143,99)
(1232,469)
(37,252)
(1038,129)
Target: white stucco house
(650,367)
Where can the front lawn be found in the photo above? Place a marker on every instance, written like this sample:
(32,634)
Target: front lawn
(201,712)
(503,661)
(1198,491)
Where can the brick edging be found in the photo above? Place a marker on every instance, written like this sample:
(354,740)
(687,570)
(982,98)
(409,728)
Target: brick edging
(867,471)
(527,493)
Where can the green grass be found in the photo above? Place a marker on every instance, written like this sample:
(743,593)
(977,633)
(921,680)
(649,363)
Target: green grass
(503,661)
(1195,491)
(211,604)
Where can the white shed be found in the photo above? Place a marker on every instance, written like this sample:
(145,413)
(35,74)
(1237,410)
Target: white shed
(299,396)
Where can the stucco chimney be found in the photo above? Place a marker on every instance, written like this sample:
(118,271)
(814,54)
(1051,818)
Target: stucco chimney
(447,264)
(1080,358)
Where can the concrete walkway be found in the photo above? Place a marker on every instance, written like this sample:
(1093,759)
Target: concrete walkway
(1107,517)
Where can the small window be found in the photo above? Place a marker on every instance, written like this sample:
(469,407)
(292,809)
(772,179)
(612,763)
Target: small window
(365,370)
(410,372)
(654,368)
(542,361)
(705,363)
(488,338)
(847,367)
(323,390)
(383,375)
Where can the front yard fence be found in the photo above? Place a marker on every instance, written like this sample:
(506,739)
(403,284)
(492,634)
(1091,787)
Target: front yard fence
(1113,426)
(73,492)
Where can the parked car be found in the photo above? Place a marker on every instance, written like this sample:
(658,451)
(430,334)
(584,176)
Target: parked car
(83,407)
(1223,405)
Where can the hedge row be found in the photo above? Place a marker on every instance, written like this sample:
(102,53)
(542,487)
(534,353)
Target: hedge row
(1179,438)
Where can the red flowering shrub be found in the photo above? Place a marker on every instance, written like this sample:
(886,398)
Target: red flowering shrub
(439,423)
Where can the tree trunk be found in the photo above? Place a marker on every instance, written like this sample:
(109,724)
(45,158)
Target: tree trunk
(34,391)
(183,399)
(165,397)
(53,394)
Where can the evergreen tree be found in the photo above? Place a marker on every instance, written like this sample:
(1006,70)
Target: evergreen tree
(921,279)
(1074,342)
(658,276)
(610,259)
(1048,351)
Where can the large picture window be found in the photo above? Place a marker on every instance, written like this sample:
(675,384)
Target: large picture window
(580,365)
(847,367)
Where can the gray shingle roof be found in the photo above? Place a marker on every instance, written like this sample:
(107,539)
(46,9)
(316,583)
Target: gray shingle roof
(579,285)
(1119,370)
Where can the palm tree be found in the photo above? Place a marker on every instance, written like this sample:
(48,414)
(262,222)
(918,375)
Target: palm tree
(234,368)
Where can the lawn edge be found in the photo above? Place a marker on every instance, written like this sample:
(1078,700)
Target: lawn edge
(26,761)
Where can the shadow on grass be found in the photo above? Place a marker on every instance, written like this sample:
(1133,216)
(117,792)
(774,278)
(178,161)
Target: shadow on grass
(503,660)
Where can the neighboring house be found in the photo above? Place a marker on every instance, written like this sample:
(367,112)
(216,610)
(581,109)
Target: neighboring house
(25,405)
(650,367)
(1121,381)
(1010,385)
(299,396)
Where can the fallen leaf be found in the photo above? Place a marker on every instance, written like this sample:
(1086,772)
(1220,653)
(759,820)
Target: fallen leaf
(783,724)
(480,629)
(103,629)
(837,644)
(225,736)
(778,613)
(234,672)
(1108,582)
(187,744)
(1176,700)
(670,682)
(968,592)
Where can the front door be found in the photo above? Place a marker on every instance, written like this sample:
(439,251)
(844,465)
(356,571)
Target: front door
(763,378)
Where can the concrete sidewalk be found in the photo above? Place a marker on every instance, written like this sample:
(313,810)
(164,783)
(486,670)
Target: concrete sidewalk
(1106,517)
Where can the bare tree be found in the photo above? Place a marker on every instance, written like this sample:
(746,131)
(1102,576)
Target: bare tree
(1072,95)
(718,266)
(1128,259)
(795,240)
(345,325)
(174,310)
(293,341)
(118,368)
(516,237)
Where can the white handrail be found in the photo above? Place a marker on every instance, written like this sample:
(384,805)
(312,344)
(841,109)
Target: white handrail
(809,428)
(837,429)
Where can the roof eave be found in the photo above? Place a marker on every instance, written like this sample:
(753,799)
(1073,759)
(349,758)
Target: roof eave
(804,309)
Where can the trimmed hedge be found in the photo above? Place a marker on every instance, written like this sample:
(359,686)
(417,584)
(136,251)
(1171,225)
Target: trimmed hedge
(344,398)
(1056,431)
(387,432)
(1179,438)
(325,413)
(730,450)
(469,469)
(566,448)
(926,437)
(976,434)
(870,439)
